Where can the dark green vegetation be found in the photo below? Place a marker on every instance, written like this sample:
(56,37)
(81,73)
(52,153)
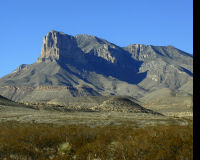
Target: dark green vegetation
(25,141)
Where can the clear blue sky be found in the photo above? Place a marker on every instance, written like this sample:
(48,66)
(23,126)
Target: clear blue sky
(24,23)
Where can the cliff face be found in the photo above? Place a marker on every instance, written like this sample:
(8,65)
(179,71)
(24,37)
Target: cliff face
(82,65)
(58,46)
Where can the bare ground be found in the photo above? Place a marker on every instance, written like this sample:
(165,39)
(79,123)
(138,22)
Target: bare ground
(24,114)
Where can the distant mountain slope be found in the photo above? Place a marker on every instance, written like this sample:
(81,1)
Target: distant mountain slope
(7,102)
(83,65)
(167,96)
(165,66)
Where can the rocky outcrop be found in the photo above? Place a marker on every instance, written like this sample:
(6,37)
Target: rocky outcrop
(166,66)
(58,46)
(83,65)
(122,104)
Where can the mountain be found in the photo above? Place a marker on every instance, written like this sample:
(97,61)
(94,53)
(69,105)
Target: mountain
(7,102)
(83,65)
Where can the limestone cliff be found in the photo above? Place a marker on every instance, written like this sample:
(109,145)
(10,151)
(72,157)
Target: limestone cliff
(83,65)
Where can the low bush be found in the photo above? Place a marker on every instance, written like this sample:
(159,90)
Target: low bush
(42,142)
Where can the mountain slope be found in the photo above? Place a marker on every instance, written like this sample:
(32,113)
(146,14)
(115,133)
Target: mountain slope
(165,66)
(7,102)
(83,65)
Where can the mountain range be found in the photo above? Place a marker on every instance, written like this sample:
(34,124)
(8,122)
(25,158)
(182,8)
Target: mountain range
(84,65)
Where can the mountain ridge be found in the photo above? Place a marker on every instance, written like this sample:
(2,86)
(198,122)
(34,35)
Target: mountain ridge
(82,65)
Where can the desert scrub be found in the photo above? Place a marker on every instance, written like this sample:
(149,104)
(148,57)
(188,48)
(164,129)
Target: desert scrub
(23,141)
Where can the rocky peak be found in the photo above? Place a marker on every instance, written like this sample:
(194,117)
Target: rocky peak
(141,52)
(59,46)
(21,67)
(150,52)
(98,47)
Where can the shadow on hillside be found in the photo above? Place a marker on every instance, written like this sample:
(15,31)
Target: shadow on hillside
(125,70)
(187,71)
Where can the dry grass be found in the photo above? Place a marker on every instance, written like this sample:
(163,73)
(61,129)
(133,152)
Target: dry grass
(44,141)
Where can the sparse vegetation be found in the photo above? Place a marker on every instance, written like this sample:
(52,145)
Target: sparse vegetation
(25,141)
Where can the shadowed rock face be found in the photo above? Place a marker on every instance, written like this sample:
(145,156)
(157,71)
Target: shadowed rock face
(82,65)
(166,66)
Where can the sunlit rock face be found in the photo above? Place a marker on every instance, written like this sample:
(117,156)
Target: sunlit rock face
(84,65)
(58,46)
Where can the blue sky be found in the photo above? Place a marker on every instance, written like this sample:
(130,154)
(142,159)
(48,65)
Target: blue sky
(24,23)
